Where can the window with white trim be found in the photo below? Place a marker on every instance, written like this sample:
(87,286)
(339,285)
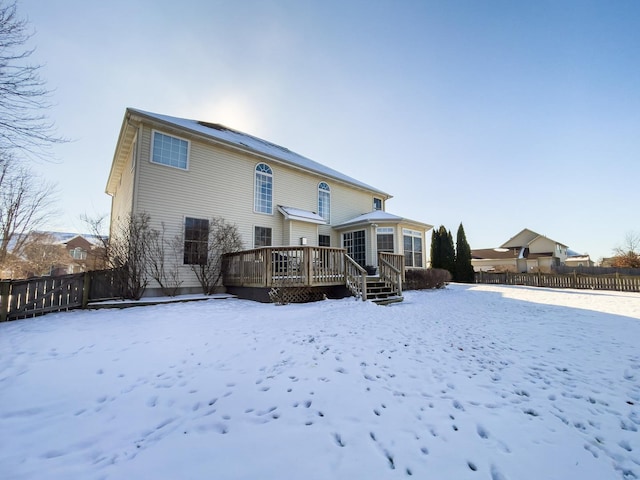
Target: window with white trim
(385,239)
(263,194)
(377,203)
(324,201)
(170,151)
(196,241)
(78,253)
(412,247)
(324,240)
(262,237)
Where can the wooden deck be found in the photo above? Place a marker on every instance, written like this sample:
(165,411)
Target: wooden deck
(302,266)
(309,267)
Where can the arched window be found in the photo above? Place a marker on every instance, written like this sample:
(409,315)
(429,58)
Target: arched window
(263,195)
(324,201)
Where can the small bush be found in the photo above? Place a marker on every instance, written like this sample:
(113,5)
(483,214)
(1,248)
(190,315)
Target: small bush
(422,279)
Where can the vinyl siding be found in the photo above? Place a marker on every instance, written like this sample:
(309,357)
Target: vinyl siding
(220,182)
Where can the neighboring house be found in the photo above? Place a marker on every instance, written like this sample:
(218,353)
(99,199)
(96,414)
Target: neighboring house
(183,172)
(575,259)
(53,253)
(86,252)
(527,251)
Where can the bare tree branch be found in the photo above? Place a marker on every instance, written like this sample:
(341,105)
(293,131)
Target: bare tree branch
(24,124)
(223,238)
(26,202)
(628,255)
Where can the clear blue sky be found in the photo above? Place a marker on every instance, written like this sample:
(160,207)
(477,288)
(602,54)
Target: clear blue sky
(502,115)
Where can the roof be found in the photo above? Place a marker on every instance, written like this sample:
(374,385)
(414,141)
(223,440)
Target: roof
(291,213)
(379,216)
(246,142)
(531,237)
(494,253)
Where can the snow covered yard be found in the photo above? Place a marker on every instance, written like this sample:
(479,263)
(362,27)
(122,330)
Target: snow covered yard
(471,382)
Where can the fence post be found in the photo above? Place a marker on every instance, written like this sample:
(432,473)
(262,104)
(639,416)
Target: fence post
(5,287)
(574,279)
(86,286)
(618,287)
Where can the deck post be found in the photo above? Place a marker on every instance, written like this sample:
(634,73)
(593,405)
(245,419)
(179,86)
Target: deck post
(5,288)
(268,271)
(86,286)
(308,257)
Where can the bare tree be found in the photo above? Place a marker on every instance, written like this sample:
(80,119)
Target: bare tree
(23,95)
(97,227)
(223,238)
(26,202)
(129,251)
(163,261)
(628,255)
(41,255)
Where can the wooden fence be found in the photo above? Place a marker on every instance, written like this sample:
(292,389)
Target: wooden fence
(622,283)
(37,296)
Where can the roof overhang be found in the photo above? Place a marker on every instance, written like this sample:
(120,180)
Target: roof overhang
(234,140)
(379,217)
(300,215)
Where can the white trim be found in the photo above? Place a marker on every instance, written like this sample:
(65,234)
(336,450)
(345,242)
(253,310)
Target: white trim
(255,190)
(153,140)
(328,192)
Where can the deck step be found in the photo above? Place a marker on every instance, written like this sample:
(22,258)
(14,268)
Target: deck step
(380,293)
(388,300)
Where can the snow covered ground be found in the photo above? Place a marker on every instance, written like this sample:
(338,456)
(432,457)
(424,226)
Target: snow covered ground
(470,382)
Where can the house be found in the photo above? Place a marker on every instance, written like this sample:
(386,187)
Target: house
(86,252)
(184,172)
(52,253)
(527,251)
(575,259)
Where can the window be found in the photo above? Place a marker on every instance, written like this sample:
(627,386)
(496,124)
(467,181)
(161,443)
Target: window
(385,239)
(324,201)
(263,195)
(377,204)
(78,253)
(196,241)
(412,248)
(354,243)
(262,237)
(324,240)
(170,151)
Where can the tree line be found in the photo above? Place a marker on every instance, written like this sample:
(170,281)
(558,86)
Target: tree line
(455,260)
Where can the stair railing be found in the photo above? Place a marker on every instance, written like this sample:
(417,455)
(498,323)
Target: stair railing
(356,277)
(390,275)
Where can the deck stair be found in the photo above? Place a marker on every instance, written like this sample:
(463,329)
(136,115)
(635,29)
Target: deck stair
(380,292)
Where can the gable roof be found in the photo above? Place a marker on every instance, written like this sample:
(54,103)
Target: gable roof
(525,238)
(243,141)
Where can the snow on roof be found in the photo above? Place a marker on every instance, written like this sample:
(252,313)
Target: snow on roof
(375,216)
(255,144)
(65,237)
(291,213)
(379,216)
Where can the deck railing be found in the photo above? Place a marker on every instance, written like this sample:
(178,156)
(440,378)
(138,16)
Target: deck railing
(285,266)
(356,277)
(391,270)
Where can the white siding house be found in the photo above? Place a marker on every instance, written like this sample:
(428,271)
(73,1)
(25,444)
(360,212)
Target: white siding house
(179,171)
